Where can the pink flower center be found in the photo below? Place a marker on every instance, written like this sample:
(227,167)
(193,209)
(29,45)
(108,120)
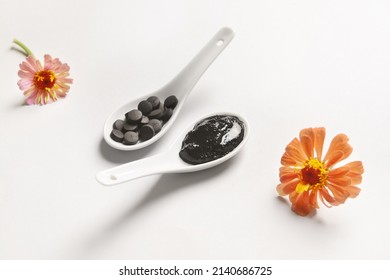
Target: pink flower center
(44,80)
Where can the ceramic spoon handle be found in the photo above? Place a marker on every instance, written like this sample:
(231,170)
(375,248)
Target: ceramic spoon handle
(190,75)
(136,169)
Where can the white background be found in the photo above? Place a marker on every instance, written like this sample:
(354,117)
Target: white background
(291,65)
(110,269)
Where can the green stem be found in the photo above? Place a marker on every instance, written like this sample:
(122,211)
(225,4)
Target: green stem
(24,47)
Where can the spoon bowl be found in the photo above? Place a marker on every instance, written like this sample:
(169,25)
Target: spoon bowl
(180,86)
(169,161)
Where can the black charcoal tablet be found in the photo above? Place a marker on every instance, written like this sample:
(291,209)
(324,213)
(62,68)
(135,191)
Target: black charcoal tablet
(129,127)
(171,102)
(134,116)
(145,107)
(118,124)
(155,101)
(146,132)
(144,120)
(116,135)
(156,114)
(156,124)
(167,114)
(130,138)
(150,117)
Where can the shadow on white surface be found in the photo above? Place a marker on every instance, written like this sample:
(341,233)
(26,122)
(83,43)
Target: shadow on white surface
(167,185)
(120,157)
(18,104)
(312,215)
(15,49)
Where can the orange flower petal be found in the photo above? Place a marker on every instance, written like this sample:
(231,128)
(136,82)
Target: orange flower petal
(287,188)
(300,203)
(355,179)
(340,194)
(348,191)
(355,167)
(353,191)
(340,181)
(336,157)
(319,137)
(313,198)
(355,172)
(324,194)
(306,136)
(294,153)
(287,174)
(287,160)
(338,145)
(339,172)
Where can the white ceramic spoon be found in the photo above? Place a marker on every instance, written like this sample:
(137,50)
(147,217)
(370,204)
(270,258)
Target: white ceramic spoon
(167,162)
(180,86)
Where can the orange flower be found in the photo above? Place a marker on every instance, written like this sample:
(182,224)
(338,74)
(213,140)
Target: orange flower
(305,175)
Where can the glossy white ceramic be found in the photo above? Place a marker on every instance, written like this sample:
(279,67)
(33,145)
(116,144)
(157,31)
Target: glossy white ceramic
(166,162)
(180,86)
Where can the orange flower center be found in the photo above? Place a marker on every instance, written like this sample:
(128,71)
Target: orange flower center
(312,175)
(44,80)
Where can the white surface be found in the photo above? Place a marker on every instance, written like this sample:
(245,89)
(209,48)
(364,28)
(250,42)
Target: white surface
(292,64)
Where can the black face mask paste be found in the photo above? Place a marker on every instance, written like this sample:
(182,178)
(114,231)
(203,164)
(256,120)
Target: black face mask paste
(212,138)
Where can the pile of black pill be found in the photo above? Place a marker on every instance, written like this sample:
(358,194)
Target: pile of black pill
(143,123)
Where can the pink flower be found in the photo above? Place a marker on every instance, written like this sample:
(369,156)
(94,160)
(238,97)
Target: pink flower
(43,85)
